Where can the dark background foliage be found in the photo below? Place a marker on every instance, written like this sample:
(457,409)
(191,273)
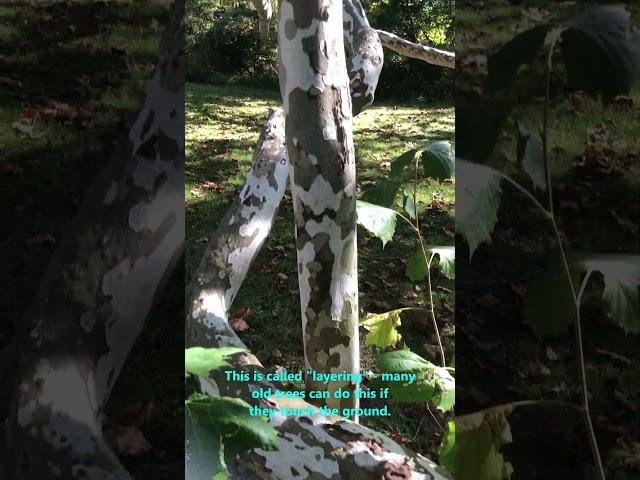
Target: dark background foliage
(223,46)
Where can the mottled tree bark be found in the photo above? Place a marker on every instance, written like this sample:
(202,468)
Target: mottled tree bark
(238,238)
(364,55)
(330,448)
(100,286)
(315,90)
(404,47)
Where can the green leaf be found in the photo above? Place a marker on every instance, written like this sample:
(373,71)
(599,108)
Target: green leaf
(503,65)
(447,450)
(445,398)
(416,268)
(384,193)
(601,51)
(403,361)
(403,166)
(621,286)
(380,221)
(548,305)
(204,454)
(438,160)
(230,419)
(382,328)
(447,256)
(432,383)
(477,199)
(478,440)
(530,156)
(200,361)
(409,205)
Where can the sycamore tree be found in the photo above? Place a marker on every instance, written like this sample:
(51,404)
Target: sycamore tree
(330,60)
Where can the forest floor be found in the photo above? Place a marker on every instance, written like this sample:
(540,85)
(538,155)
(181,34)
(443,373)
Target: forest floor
(223,125)
(72,78)
(595,167)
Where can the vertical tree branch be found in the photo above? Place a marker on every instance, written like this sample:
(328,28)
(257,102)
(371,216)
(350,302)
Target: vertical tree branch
(315,89)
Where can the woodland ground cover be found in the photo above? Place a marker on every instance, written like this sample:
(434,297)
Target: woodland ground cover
(223,124)
(595,172)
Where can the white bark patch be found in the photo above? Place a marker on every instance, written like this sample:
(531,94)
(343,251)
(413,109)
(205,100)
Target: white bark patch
(150,215)
(156,102)
(344,287)
(71,417)
(132,288)
(314,459)
(320,196)
(292,53)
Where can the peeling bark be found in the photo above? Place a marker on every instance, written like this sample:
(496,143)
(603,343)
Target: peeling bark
(363,51)
(238,238)
(315,90)
(404,47)
(100,286)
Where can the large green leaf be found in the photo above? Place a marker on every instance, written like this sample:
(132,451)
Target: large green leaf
(380,221)
(383,193)
(200,361)
(447,450)
(432,383)
(204,453)
(549,308)
(530,156)
(503,64)
(403,361)
(383,328)
(438,160)
(601,51)
(403,167)
(416,267)
(447,259)
(229,418)
(477,201)
(479,438)
(621,286)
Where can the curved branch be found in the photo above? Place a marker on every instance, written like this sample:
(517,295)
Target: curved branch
(100,287)
(365,57)
(404,47)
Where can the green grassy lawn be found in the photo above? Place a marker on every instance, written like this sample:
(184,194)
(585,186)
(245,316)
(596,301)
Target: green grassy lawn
(223,124)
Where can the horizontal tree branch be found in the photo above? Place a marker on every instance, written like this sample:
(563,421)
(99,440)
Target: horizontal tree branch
(404,47)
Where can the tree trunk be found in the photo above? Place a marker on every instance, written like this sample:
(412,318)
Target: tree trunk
(404,47)
(265,11)
(100,286)
(315,90)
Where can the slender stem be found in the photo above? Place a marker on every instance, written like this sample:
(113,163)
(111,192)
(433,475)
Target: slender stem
(427,260)
(576,298)
(527,193)
(433,314)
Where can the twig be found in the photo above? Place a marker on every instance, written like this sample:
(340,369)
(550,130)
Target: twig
(576,298)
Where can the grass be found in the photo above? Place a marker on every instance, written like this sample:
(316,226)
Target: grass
(223,124)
